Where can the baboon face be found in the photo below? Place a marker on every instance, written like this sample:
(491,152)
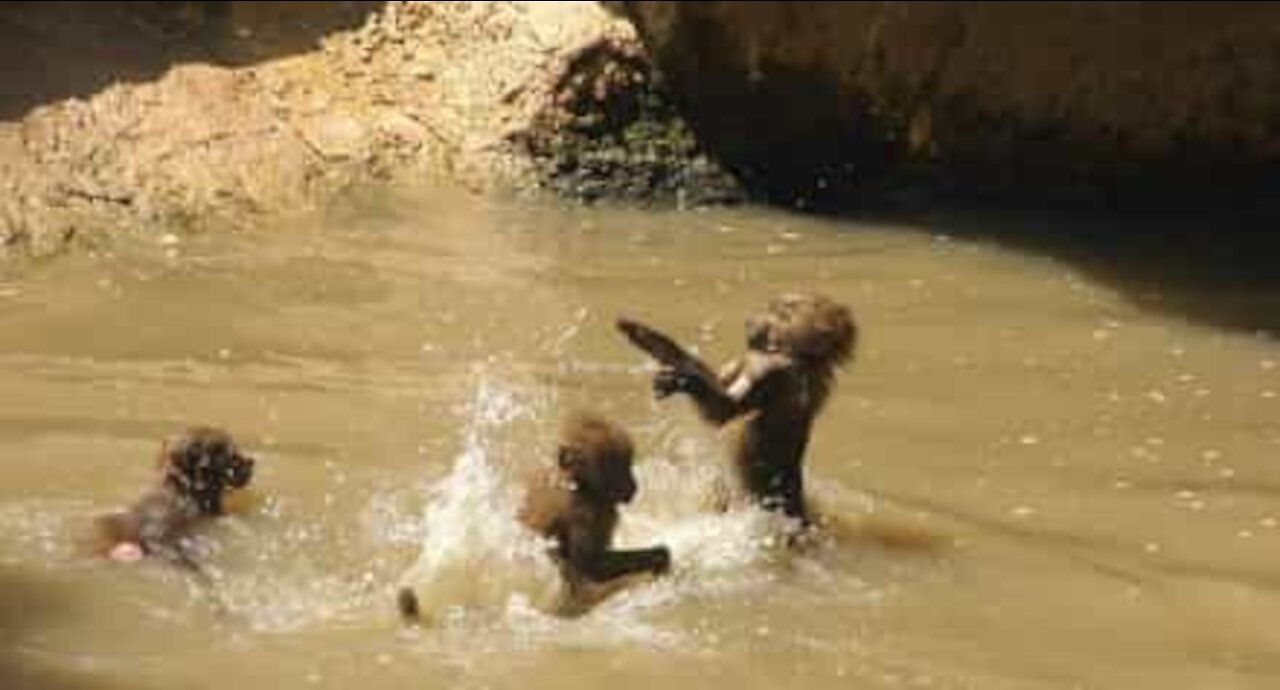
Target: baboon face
(596,456)
(805,326)
(203,464)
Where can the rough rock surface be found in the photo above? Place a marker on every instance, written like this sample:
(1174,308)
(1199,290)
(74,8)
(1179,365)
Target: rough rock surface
(200,115)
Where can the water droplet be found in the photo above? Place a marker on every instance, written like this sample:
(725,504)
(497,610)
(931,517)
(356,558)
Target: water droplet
(1152,547)
(1023,511)
(169,239)
(1157,397)
(1269,522)
(1227,473)
(1245,534)
(1029,440)
(1101,334)
(1155,441)
(1123,484)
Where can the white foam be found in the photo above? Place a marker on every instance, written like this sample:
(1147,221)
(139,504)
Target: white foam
(478,566)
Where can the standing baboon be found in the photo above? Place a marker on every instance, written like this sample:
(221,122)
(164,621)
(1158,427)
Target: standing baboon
(772,393)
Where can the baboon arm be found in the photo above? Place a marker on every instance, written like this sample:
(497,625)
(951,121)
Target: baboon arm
(611,572)
(583,552)
(742,386)
(714,403)
(614,564)
(681,371)
(663,349)
(729,372)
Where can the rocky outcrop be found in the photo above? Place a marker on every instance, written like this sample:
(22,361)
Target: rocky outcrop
(155,116)
(162,116)
(816,102)
(613,134)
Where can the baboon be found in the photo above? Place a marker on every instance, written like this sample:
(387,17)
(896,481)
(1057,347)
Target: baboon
(195,472)
(771,394)
(575,503)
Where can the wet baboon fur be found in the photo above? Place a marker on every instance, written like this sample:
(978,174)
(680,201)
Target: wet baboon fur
(196,470)
(769,396)
(574,503)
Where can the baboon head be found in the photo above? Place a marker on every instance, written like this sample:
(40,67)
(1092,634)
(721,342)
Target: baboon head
(807,327)
(203,464)
(595,455)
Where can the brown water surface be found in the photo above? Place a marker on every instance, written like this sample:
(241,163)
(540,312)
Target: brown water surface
(1044,483)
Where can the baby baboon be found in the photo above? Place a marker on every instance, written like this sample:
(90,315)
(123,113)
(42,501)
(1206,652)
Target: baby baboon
(772,393)
(196,470)
(575,504)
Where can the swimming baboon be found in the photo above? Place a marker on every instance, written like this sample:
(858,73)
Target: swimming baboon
(196,470)
(771,394)
(575,504)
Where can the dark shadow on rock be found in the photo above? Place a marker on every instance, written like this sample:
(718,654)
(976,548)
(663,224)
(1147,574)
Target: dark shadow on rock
(614,136)
(56,50)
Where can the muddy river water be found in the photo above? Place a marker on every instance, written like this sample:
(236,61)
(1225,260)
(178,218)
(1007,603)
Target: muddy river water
(1046,477)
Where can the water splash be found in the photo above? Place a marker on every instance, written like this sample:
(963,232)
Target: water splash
(277,574)
(474,553)
(477,566)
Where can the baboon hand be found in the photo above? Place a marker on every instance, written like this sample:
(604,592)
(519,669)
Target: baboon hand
(669,380)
